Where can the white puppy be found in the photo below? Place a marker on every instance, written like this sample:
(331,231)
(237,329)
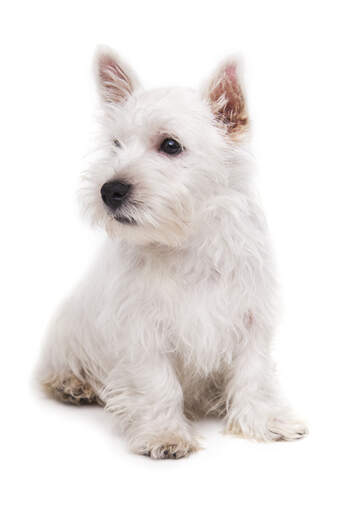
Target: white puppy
(174,320)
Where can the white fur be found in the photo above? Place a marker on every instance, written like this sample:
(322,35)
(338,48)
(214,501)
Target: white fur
(175,317)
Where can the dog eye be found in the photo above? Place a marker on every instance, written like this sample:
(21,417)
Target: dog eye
(171,147)
(117,143)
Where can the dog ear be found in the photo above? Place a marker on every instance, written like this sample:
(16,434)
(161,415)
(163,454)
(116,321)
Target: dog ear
(226,98)
(115,80)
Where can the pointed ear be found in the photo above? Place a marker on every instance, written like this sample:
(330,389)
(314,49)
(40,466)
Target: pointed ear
(116,81)
(226,98)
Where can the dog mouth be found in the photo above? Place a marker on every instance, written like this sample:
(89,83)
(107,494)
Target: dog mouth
(124,220)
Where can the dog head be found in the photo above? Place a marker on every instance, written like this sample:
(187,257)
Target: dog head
(166,154)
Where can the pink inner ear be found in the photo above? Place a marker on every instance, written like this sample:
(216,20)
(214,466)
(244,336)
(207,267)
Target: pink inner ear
(107,66)
(231,72)
(116,84)
(227,99)
(105,62)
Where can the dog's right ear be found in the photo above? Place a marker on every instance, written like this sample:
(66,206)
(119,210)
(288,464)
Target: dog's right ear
(226,98)
(115,80)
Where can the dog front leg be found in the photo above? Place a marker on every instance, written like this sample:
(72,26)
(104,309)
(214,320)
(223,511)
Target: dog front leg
(254,406)
(146,398)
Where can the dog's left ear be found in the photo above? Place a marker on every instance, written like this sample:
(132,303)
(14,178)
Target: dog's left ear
(226,98)
(116,81)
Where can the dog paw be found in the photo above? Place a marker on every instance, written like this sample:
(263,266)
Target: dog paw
(286,430)
(273,429)
(169,447)
(72,390)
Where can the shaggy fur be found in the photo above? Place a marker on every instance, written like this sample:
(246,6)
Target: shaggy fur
(175,317)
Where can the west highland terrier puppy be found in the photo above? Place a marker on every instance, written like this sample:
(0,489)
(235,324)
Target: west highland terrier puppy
(175,317)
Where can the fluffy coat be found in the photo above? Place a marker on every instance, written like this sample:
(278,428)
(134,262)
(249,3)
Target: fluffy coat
(175,317)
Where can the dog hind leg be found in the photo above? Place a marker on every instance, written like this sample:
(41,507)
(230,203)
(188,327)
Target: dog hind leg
(72,390)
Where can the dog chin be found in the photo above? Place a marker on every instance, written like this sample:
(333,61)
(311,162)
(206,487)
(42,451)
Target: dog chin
(129,230)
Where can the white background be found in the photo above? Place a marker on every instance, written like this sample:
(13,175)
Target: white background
(55,457)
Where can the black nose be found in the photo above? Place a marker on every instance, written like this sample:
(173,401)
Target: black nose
(114,193)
